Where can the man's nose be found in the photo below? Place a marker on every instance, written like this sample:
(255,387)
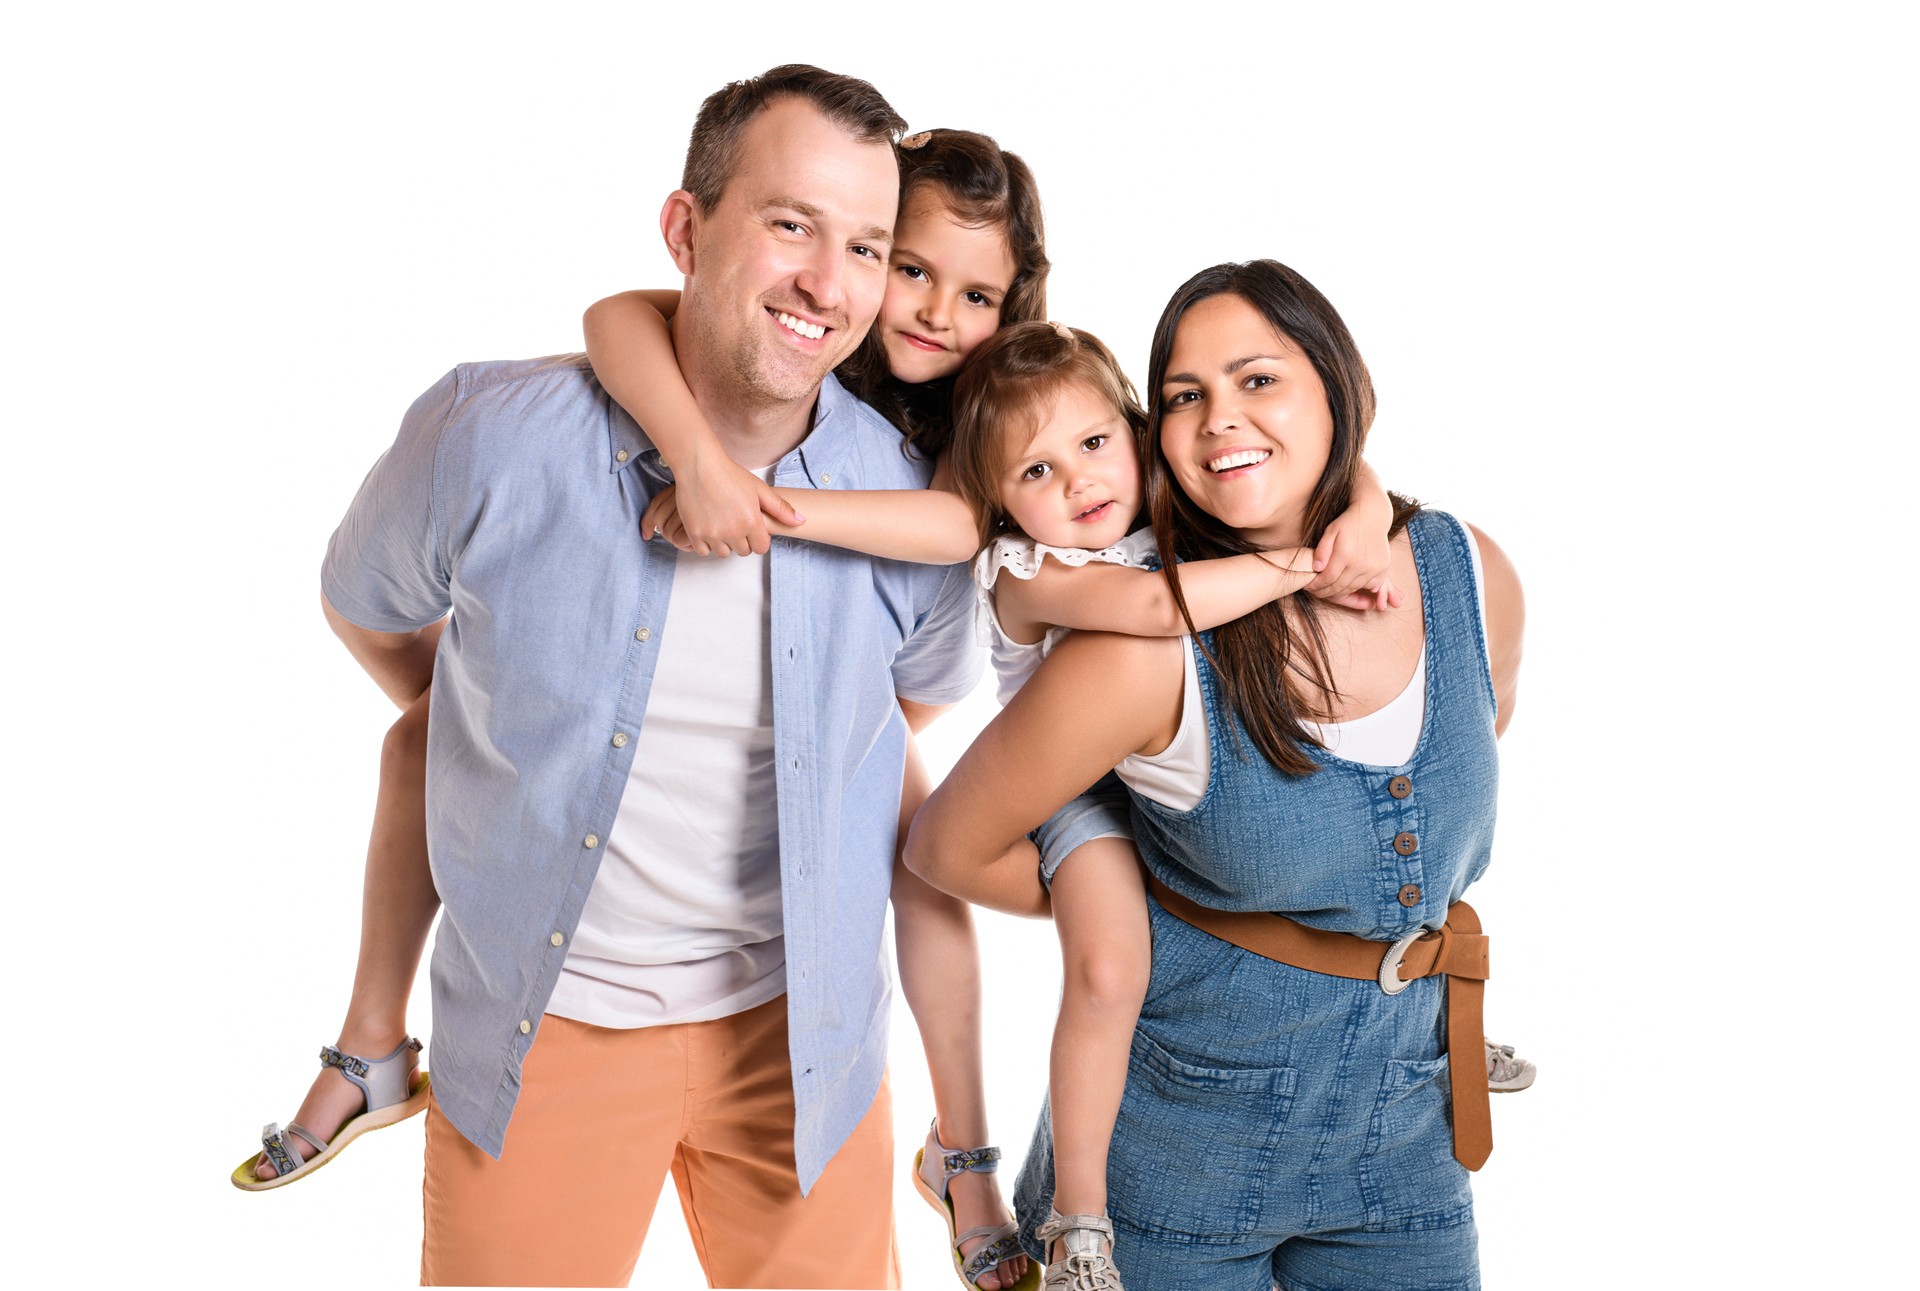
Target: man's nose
(823,278)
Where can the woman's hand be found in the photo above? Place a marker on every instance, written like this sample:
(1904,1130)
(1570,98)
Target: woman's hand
(717,512)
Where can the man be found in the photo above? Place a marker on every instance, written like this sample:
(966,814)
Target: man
(662,793)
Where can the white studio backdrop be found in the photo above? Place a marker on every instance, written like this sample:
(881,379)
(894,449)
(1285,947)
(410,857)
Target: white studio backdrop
(1634,284)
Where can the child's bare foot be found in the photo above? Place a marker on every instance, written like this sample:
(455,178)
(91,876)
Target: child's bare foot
(977,1204)
(333,1100)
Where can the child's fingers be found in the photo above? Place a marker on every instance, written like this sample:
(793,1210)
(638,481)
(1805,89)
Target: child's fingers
(779,508)
(1323,553)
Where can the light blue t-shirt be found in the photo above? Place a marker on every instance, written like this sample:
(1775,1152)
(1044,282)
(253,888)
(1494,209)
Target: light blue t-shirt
(512,498)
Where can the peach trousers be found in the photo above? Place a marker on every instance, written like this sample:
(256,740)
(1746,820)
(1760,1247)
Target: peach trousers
(604,1114)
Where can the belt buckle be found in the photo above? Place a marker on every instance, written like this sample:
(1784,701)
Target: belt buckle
(1390,980)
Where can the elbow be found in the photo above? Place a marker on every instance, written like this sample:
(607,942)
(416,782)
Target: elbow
(921,857)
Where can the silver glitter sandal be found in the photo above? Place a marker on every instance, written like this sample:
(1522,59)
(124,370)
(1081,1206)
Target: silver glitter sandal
(1087,1241)
(934,1166)
(390,1099)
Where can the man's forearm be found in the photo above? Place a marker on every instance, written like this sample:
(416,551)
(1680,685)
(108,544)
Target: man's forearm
(400,663)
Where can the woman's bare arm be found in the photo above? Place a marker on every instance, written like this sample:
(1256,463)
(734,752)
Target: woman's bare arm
(1062,732)
(1506,623)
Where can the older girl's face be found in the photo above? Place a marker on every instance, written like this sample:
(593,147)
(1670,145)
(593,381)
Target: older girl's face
(1244,422)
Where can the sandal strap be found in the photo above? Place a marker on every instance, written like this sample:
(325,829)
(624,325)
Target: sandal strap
(979,1160)
(273,1141)
(382,1081)
(1005,1245)
(1058,1225)
(295,1127)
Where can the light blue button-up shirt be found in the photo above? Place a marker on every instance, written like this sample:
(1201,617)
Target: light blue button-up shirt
(512,498)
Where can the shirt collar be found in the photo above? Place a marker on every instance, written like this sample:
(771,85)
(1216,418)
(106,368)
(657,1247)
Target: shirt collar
(836,414)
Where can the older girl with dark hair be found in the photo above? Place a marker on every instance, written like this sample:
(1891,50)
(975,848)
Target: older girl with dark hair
(1318,793)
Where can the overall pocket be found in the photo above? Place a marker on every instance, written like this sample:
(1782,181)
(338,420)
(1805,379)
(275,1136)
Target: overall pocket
(1194,1145)
(1408,1176)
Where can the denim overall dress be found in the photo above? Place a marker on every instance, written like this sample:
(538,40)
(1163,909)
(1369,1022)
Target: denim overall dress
(1281,1126)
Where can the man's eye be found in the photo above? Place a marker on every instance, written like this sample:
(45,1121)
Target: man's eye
(787,226)
(869,252)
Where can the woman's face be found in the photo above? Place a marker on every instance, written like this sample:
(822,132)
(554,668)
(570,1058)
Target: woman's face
(1244,422)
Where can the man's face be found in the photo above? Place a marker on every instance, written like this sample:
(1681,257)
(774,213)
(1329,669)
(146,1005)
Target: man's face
(789,266)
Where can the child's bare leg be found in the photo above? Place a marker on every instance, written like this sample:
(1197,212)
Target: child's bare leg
(939,960)
(396,911)
(1100,910)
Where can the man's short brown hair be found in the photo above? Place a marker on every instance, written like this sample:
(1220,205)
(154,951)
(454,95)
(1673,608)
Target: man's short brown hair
(713,153)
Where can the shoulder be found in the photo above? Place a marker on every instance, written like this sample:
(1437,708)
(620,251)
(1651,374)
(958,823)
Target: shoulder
(873,447)
(516,411)
(1502,580)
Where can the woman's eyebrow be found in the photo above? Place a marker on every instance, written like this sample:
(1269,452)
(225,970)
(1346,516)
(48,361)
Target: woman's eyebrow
(1237,364)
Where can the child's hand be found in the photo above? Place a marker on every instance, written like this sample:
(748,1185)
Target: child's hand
(1353,559)
(719,512)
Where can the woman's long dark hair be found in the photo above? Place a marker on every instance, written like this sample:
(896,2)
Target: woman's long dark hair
(1273,662)
(982,186)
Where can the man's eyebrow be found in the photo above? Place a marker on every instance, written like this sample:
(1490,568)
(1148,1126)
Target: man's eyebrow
(872,233)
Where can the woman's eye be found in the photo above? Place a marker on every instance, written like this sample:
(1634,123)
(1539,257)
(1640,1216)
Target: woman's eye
(1184,397)
(1259,381)
(1038,471)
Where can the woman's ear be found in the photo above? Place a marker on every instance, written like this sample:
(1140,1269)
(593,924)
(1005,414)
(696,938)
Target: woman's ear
(679,227)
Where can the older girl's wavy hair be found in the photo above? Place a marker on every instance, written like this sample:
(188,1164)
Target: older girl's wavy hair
(1272,662)
(1004,394)
(982,186)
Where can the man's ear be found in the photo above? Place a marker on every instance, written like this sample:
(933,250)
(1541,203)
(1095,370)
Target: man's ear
(678,218)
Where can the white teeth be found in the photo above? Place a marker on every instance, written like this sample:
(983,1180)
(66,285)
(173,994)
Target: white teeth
(1246,457)
(812,331)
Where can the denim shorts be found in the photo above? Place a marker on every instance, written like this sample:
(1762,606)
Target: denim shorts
(1101,812)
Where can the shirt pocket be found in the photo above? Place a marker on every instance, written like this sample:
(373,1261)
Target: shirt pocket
(1408,1177)
(1194,1145)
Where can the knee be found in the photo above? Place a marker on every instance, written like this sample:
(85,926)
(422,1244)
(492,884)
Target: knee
(1106,979)
(403,753)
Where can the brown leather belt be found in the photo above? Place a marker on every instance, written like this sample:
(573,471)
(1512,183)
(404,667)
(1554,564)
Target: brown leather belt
(1458,952)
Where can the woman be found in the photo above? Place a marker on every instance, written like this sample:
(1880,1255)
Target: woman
(1286,1118)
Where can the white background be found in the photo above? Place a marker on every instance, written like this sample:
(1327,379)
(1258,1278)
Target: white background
(1635,284)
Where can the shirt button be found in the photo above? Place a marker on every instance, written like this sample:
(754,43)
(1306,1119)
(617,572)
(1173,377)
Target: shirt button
(643,634)
(1399,786)
(1410,895)
(557,938)
(590,842)
(620,456)
(525,1026)
(1406,844)
(620,740)
(826,479)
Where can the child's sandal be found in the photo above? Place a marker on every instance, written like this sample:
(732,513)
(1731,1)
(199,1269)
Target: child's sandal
(390,1098)
(1087,1264)
(934,1166)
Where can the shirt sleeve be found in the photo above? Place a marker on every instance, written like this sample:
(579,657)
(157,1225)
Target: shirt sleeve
(940,663)
(386,568)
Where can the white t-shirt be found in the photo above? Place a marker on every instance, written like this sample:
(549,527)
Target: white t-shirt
(684,922)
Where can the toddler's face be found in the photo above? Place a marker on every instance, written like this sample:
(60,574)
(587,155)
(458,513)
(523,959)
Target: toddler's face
(1077,484)
(945,286)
